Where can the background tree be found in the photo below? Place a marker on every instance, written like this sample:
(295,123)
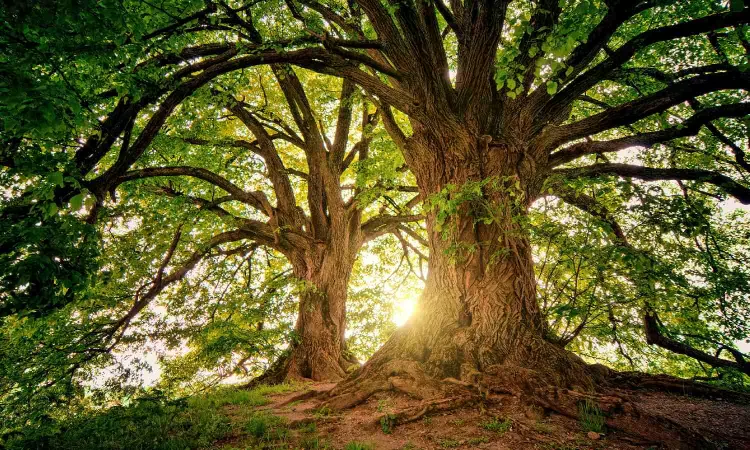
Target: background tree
(320,240)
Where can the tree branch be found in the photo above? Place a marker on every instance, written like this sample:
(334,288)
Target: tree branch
(721,181)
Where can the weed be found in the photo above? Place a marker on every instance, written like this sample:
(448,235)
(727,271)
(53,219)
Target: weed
(427,420)
(323,411)
(497,425)
(478,440)
(409,446)
(354,445)
(449,443)
(387,422)
(154,423)
(458,422)
(315,443)
(267,428)
(308,428)
(591,417)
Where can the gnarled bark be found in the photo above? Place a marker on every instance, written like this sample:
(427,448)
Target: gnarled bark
(478,314)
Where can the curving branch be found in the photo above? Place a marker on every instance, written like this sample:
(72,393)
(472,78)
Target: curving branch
(256,199)
(383,224)
(633,111)
(690,127)
(557,104)
(654,336)
(719,180)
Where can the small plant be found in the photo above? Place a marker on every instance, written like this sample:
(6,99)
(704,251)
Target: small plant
(323,411)
(449,443)
(387,422)
(354,445)
(541,427)
(427,420)
(497,425)
(409,446)
(458,422)
(591,417)
(315,443)
(267,428)
(308,428)
(478,440)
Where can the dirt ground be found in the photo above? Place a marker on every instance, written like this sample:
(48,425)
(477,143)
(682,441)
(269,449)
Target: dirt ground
(502,423)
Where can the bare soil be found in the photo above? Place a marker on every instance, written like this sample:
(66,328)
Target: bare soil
(724,424)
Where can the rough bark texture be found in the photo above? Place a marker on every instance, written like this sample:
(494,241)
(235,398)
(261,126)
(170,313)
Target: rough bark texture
(478,314)
(319,352)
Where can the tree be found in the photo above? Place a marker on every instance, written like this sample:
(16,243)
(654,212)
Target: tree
(321,241)
(499,104)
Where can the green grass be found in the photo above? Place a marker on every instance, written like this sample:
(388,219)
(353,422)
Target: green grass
(591,417)
(236,396)
(449,443)
(478,440)
(156,424)
(323,411)
(315,443)
(497,425)
(267,428)
(354,445)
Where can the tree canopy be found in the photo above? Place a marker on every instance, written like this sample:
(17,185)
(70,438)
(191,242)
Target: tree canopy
(564,176)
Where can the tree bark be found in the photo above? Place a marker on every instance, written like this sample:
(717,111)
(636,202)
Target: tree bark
(478,314)
(319,349)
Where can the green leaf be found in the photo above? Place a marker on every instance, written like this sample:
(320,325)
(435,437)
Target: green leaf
(737,5)
(76,202)
(56,178)
(551,87)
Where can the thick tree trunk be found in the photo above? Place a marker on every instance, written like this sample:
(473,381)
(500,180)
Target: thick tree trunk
(478,314)
(319,352)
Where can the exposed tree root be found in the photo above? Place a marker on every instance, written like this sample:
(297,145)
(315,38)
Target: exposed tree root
(615,396)
(674,385)
(427,407)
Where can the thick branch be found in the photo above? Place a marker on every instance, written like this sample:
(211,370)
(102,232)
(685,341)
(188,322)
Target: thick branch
(689,127)
(590,78)
(725,183)
(643,107)
(654,336)
(256,199)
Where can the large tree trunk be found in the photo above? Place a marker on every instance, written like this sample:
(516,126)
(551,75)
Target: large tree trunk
(478,314)
(319,351)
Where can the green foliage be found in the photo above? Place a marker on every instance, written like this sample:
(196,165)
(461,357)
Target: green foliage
(237,396)
(356,445)
(387,422)
(47,261)
(497,425)
(590,417)
(147,423)
(267,428)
